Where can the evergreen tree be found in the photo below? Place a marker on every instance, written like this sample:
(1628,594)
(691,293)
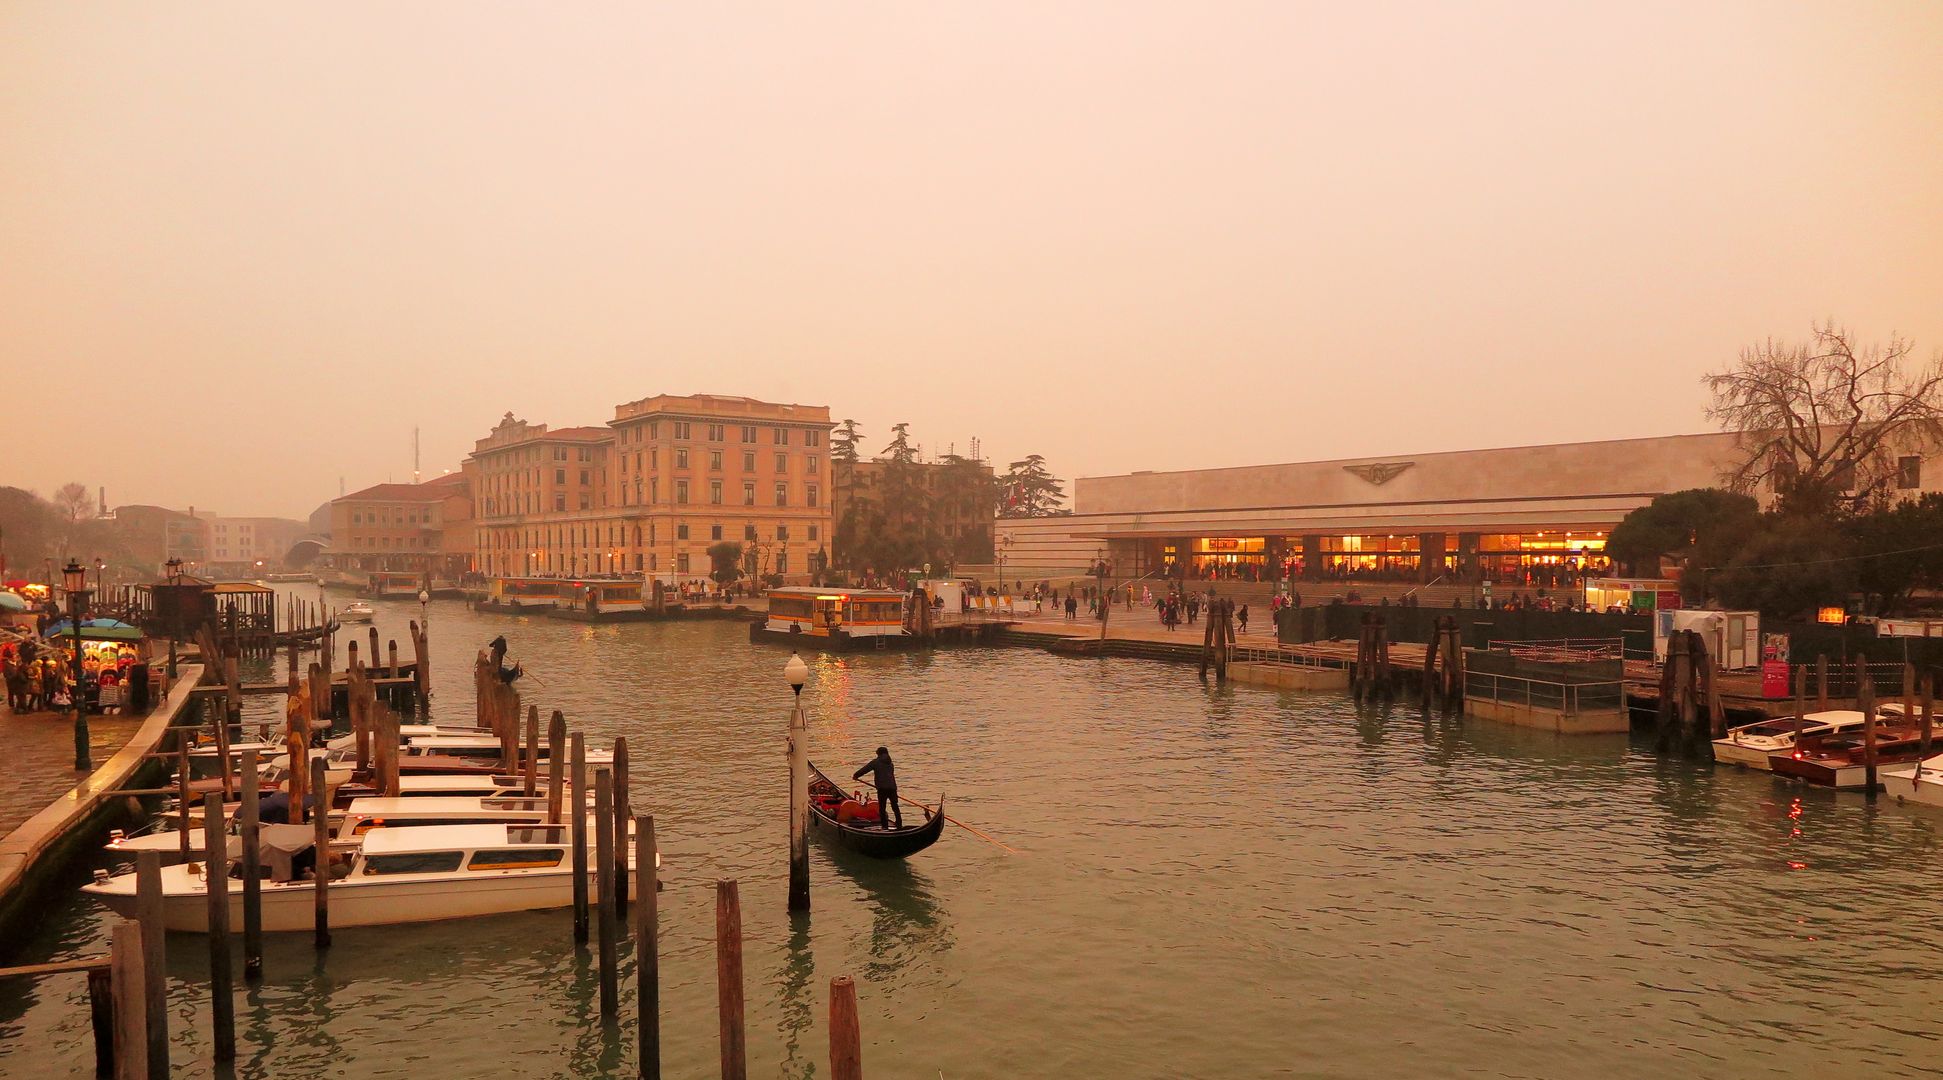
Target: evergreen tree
(1028,490)
(843,443)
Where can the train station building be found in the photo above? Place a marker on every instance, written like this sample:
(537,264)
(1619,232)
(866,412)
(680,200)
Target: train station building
(1465,516)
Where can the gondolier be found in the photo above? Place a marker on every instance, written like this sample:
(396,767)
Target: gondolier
(886,780)
(506,674)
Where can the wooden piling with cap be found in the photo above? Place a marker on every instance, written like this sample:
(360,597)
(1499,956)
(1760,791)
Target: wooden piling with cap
(155,978)
(647,949)
(846,1036)
(248,832)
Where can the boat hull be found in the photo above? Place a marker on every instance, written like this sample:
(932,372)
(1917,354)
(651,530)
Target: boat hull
(291,906)
(1733,753)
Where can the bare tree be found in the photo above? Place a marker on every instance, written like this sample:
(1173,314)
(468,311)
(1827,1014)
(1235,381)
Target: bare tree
(1823,422)
(72,501)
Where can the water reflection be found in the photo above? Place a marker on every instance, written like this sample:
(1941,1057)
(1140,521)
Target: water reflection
(908,924)
(796,993)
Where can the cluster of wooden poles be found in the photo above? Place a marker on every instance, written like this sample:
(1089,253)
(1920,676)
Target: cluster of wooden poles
(1218,639)
(1374,677)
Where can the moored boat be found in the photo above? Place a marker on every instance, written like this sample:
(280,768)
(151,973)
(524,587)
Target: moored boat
(355,611)
(1753,744)
(1841,761)
(853,823)
(399,875)
(1919,781)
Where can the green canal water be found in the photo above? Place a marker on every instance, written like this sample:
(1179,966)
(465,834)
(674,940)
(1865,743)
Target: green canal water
(1210,883)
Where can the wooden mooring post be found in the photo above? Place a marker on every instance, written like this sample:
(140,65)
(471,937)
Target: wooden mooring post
(647,949)
(623,813)
(1432,690)
(248,831)
(846,1035)
(530,766)
(321,822)
(128,981)
(1865,702)
(1821,683)
(604,848)
(797,746)
(184,835)
(215,869)
(155,972)
(556,761)
(728,980)
(578,745)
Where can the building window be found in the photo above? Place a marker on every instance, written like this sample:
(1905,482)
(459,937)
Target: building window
(782,436)
(715,433)
(812,462)
(1909,472)
(583,476)
(748,433)
(715,492)
(586,501)
(681,491)
(782,532)
(654,429)
(811,495)
(782,494)
(812,438)
(749,494)
(782,464)
(748,532)
(748,461)
(813,532)
(681,458)
(681,563)
(654,489)
(715,460)
(559,500)
(681,532)
(715,532)
(782,562)
(559,476)
(681,429)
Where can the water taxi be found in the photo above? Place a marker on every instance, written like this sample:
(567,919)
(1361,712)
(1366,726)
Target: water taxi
(355,611)
(398,875)
(1841,761)
(521,593)
(394,585)
(1754,744)
(833,620)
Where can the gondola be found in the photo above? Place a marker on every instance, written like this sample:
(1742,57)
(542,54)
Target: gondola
(868,839)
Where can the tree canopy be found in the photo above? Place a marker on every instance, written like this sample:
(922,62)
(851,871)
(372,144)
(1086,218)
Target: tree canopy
(1823,422)
(1701,524)
(1029,490)
(725,562)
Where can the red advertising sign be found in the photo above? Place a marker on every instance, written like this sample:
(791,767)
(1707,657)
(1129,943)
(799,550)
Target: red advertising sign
(1774,679)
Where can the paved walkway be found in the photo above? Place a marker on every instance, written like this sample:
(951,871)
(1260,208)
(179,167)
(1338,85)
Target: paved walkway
(37,757)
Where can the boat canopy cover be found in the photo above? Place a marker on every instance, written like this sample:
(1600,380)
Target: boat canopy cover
(433,838)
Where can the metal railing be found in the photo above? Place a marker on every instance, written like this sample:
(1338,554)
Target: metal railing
(1255,654)
(1568,699)
(1564,650)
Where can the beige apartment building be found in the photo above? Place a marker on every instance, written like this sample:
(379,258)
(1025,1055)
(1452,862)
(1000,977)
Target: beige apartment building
(650,492)
(404,527)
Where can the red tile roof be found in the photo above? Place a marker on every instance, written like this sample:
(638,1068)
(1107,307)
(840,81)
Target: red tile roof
(440,487)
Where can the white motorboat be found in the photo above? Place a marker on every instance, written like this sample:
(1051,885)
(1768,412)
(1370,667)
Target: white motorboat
(1754,744)
(483,748)
(356,611)
(1921,782)
(399,875)
(349,825)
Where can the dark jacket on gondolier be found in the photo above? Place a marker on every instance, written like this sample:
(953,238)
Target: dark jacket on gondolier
(888,810)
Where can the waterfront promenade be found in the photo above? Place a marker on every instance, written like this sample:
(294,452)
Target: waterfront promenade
(38,749)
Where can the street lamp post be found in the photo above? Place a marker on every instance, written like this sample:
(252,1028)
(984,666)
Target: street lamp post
(424,612)
(75,578)
(798,746)
(174,569)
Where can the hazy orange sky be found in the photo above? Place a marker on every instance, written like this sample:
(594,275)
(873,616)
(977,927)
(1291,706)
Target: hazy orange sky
(253,245)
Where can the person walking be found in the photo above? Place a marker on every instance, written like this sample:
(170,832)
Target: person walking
(885,778)
(1241,618)
(1072,608)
